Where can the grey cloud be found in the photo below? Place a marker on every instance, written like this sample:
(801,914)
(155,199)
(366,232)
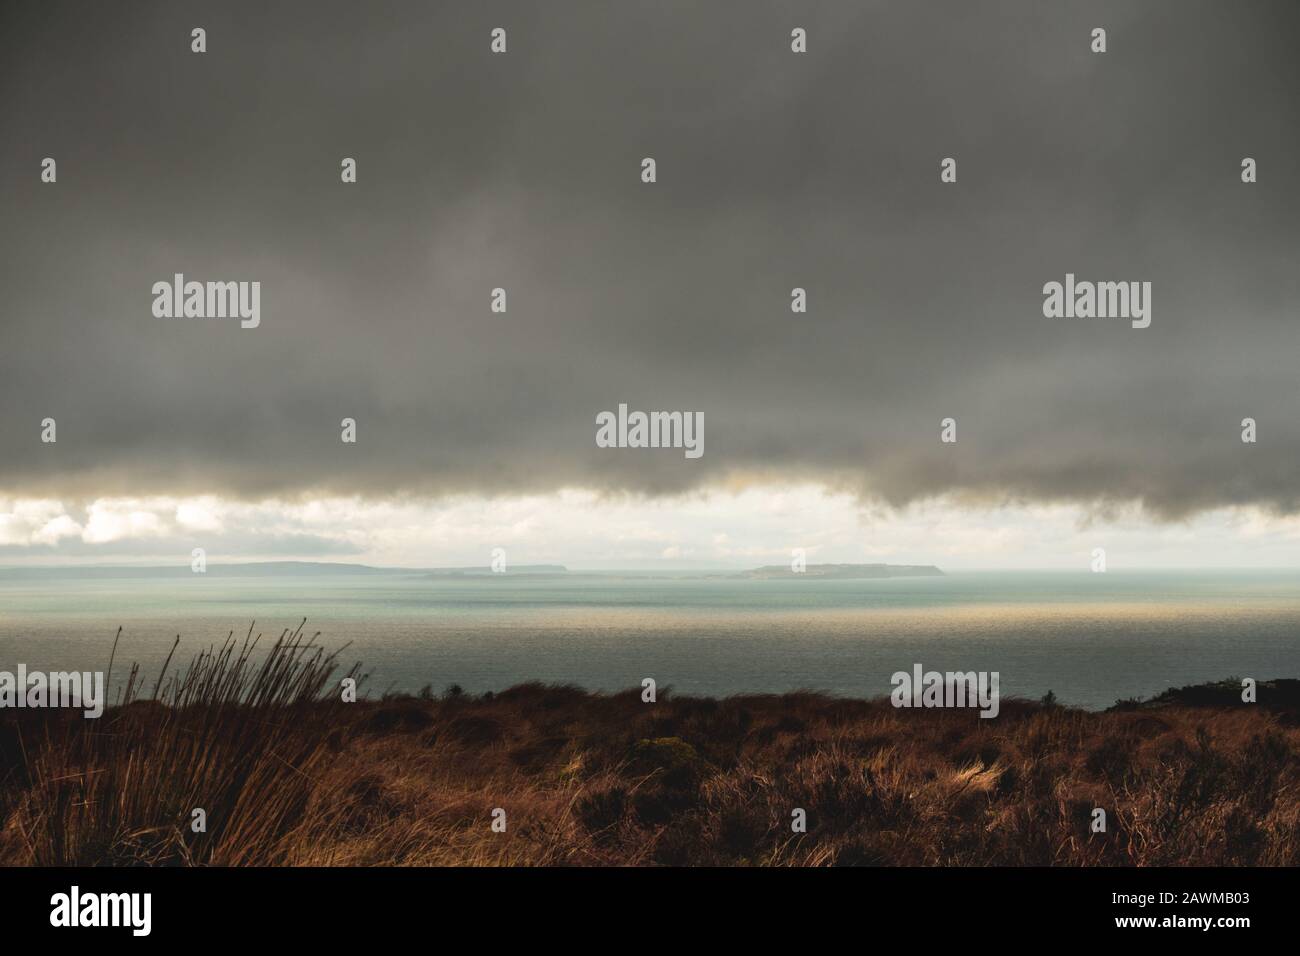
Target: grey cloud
(775,171)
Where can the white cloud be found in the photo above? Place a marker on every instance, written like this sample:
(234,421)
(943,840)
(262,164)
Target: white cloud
(198,514)
(30,521)
(117,519)
(586,530)
(56,529)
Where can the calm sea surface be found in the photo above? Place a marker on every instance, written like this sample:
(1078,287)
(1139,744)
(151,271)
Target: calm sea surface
(1091,638)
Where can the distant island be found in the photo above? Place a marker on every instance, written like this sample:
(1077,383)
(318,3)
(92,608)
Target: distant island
(269,569)
(487,571)
(846,571)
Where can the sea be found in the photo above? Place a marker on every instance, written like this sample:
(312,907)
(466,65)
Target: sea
(1090,639)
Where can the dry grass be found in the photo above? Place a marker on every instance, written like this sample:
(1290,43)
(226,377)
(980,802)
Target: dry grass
(289,778)
(227,735)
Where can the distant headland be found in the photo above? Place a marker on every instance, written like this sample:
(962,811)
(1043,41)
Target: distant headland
(845,571)
(486,571)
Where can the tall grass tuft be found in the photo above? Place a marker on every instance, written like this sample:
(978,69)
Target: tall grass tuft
(236,735)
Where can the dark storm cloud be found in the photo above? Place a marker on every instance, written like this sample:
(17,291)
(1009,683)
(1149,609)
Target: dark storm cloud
(775,170)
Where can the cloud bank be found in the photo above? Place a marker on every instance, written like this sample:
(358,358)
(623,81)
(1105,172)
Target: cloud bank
(775,171)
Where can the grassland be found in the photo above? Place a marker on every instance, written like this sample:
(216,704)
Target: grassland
(288,774)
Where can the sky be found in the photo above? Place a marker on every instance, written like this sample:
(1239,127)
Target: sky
(774,170)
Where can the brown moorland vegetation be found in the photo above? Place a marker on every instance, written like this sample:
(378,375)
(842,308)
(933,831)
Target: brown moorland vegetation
(288,774)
